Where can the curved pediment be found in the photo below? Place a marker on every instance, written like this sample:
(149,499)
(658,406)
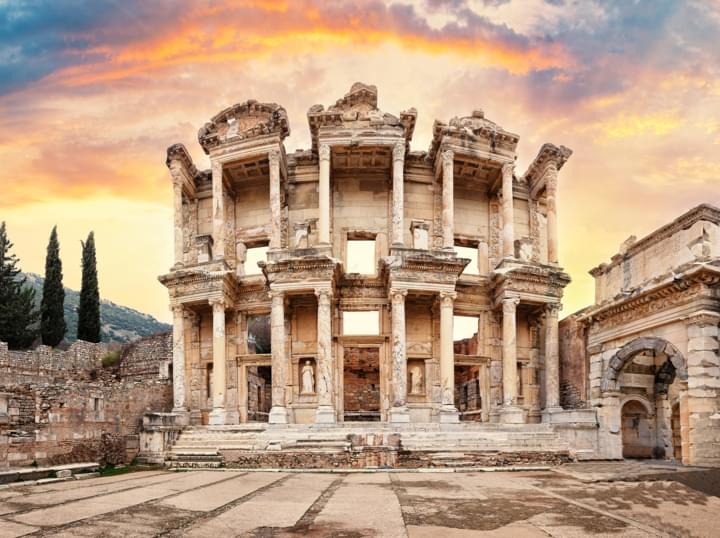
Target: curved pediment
(243,121)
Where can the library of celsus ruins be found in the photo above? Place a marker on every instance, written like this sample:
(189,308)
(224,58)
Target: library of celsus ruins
(326,289)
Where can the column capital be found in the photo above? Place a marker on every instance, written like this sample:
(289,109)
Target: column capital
(508,169)
(398,152)
(447,298)
(552,309)
(509,304)
(703,319)
(324,152)
(448,156)
(274,157)
(397,295)
(216,166)
(217,303)
(177,309)
(323,294)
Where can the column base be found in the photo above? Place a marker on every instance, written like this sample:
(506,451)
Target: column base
(399,415)
(278,415)
(548,412)
(182,416)
(512,414)
(217,416)
(232,417)
(325,414)
(449,415)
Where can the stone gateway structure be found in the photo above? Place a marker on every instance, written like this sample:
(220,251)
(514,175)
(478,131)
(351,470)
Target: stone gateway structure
(378,345)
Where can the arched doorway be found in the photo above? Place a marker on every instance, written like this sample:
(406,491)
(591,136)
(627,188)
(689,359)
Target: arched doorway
(638,435)
(648,373)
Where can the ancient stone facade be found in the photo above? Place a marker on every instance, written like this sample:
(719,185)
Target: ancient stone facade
(649,344)
(67,406)
(345,346)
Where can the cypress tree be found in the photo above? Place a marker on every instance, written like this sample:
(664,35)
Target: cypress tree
(52,318)
(18,315)
(89,309)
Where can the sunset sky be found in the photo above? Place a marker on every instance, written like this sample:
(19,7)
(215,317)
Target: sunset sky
(92,93)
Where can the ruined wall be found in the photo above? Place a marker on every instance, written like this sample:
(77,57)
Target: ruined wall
(147,358)
(574,367)
(64,406)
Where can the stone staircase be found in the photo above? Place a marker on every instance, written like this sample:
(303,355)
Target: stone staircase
(369,444)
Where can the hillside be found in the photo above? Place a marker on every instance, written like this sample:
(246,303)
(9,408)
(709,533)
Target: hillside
(119,323)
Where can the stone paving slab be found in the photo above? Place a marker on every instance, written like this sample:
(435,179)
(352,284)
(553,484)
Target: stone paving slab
(219,504)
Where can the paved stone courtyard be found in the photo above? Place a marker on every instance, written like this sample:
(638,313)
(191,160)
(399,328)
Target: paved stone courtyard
(595,499)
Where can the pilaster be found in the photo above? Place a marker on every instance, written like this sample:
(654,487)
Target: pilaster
(448,212)
(398,209)
(324,195)
(507,211)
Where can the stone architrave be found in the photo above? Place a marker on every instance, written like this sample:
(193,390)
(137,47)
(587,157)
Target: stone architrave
(324,195)
(398,376)
(275,210)
(448,212)
(325,380)
(552,359)
(398,209)
(218,216)
(278,411)
(507,211)
(217,416)
(178,360)
(448,411)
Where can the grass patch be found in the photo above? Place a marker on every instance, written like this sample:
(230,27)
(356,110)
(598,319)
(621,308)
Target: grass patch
(111,359)
(111,470)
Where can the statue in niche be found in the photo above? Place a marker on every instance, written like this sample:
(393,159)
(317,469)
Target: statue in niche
(416,380)
(308,378)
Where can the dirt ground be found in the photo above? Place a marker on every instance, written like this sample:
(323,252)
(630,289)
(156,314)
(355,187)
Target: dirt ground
(591,499)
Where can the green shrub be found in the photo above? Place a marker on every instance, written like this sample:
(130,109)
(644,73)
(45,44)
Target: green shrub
(111,359)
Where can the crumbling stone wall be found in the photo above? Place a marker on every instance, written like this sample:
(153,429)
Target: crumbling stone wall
(574,363)
(63,406)
(147,358)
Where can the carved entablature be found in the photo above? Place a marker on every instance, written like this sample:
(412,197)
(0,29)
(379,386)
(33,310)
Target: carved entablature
(424,269)
(473,132)
(531,283)
(190,286)
(244,121)
(548,154)
(254,296)
(363,287)
(301,272)
(356,115)
(692,287)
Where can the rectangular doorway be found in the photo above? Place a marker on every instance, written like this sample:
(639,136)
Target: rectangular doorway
(361,384)
(259,392)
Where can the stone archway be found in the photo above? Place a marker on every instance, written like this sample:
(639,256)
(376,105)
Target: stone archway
(639,345)
(638,436)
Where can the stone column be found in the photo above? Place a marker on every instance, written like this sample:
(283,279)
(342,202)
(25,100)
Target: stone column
(507,211)
(178,360)
(448,411)
(398,377)
(510,413)
(275,209)
(448,213)
(552,360)
(551,196)
(483,257)
(325,382)
(178,221)
(278,412)
(398,209)
(217,416)
(218,217)
(324,196)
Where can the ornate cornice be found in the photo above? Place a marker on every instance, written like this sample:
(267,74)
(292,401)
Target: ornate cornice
(548,154)
(179,153)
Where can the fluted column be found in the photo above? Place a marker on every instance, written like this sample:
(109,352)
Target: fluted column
(398,375)
(448,211)
(178,221)
(217,416)
(324,196)
(398,209)
(448,411)
(218,216)
(507,211)
(278,412)
(275,210)
(552,359)
(178,360)
(325,382)
(551,174)
(509,350)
